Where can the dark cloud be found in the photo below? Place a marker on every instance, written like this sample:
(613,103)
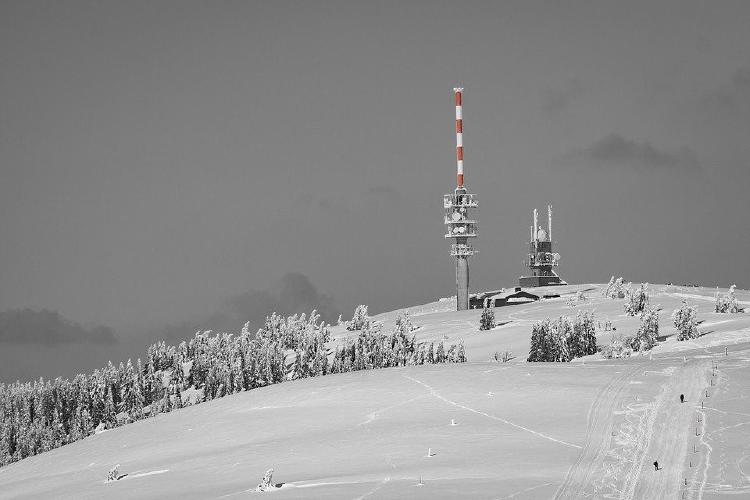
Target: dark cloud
(294,294)
(557,100)
(26,326)
(615,150)
(731,100)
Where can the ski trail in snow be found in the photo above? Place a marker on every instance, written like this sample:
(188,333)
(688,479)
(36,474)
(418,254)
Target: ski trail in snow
(707,461)
(513,495)
(373,415)
(493,417)
(375,489)
(150,473)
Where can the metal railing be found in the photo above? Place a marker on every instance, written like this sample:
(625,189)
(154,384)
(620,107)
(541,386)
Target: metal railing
(460,200)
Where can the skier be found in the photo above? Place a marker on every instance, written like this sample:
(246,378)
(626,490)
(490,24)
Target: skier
(656,465)
(682,398)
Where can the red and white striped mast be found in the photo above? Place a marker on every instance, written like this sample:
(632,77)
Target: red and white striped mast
(459,137)
(461,226)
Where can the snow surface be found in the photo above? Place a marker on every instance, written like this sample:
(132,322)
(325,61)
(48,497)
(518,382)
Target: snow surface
(591,428)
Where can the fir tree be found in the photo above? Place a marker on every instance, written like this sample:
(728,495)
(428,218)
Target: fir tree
(636,301)
(648,331)
(440,354)
(487,321)
(685,321)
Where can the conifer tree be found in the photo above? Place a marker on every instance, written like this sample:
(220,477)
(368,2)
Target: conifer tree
(440,354)
(648,331)
(685,321)
(487,321)
(636,301)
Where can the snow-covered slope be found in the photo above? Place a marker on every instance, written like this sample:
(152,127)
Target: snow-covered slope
(521,430)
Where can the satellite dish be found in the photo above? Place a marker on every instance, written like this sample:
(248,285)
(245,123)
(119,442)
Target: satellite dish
(541,235)
(556,256)
(456,216)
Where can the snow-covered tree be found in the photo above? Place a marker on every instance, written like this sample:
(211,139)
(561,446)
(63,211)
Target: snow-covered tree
(487,321)
(582,336)
(645,337)
(359,319)
(563,338)
(685,321)
(614,289)
(727,303)
(636,300)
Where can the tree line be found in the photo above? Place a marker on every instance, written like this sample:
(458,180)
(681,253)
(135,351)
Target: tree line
(45,414)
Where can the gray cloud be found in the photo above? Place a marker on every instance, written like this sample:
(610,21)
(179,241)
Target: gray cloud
(557,100)
(615,150)
(26,326)
(731,100)
(294,294)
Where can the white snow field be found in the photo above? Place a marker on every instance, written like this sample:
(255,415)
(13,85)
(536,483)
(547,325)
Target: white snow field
(587,429)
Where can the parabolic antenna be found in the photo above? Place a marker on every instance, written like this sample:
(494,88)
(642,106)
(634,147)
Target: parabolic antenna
(541,235)
(556,256)
(455,216)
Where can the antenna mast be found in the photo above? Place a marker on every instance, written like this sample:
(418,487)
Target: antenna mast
(461,226)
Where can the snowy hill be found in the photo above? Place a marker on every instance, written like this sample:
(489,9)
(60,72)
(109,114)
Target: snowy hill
(590,428)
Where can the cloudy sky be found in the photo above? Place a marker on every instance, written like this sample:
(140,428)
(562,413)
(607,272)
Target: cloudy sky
(172,165)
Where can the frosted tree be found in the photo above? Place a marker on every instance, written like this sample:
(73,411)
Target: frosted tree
(636,300)
(460,353)
(614,289)
(727,303)
(266,483)
(562,339)
(114,473)
(557,336)
(359,319)
(536,348)
(440,353)
(487,320)
(685,321)
(582,336)
(109,409)
(404,325)
(648,331)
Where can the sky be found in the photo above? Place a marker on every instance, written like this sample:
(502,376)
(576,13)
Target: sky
(172,166)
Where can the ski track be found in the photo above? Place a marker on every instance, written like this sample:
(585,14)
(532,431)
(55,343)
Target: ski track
(373,415)
(375,489)
(150,473)
(493,417)
(613,467)
(597,438)
(525,490)
(707,461)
